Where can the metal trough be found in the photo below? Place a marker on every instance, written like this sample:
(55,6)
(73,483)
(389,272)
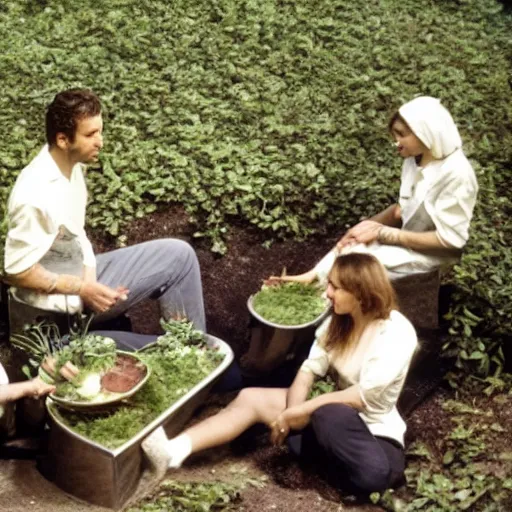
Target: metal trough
(108,477)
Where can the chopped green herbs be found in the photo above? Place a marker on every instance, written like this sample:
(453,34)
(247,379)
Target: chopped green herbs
(289,303)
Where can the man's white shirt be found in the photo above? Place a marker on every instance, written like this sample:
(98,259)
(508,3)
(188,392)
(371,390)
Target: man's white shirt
(43,201)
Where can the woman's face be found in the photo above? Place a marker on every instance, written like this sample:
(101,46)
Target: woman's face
(406,142)
(343,302)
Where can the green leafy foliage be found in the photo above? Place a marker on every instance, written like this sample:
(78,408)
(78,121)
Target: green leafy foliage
(92,353)
(273,114)
(191,497)
(178,332)
(322,386)
(200,496)
(463,471)
(38,341)
(289,303)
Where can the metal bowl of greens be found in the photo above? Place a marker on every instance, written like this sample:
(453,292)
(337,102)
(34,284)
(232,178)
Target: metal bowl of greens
(102,374)
(289,305)
(98,387)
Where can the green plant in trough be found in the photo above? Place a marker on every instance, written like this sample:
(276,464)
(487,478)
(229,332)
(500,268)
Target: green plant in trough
(289,303)
(176,367)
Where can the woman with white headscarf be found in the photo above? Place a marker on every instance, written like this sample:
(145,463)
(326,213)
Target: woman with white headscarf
(430,224)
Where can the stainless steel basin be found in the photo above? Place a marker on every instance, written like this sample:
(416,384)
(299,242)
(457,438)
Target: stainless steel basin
(105,477)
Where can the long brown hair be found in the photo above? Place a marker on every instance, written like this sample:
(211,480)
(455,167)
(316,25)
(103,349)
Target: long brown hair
(365,277)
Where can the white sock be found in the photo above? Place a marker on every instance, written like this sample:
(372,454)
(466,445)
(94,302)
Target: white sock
(179,448)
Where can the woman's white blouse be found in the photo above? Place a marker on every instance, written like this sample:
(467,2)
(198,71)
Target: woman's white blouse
(439,197)
(378,364)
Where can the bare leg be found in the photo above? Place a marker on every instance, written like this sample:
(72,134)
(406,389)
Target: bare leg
(251,406)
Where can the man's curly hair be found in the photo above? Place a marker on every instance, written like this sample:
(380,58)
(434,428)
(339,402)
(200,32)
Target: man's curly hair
(66,109)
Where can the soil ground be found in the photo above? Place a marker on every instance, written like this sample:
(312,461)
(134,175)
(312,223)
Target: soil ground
(227,282)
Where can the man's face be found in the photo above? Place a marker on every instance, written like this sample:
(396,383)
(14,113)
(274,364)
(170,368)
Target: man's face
(88,140)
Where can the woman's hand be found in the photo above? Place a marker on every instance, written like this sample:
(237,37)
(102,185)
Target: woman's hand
(293,418)
(306,278)
(365,232)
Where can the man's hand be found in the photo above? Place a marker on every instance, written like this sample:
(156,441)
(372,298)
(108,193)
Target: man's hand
(295,418)
(365,232)
(101,298)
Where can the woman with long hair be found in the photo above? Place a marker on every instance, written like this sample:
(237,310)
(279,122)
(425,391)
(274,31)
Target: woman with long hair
(368,345)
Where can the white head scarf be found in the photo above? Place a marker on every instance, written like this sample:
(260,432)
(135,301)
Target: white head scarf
(432,124)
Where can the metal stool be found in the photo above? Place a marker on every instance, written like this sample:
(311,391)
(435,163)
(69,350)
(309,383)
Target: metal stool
(418,298)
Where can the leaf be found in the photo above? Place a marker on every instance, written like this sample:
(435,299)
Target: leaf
(420,450)
(375,497)
(448,457)
(26,371)
(463,494)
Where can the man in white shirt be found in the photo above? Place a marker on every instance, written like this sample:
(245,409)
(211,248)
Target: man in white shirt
(49,261)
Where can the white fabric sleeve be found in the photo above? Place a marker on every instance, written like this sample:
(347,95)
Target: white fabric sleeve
(452,210)
(317,362)
(4,380)
(29,238)
(384,371)
(318,359)
(3,376)
(323,267)
(88,253)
